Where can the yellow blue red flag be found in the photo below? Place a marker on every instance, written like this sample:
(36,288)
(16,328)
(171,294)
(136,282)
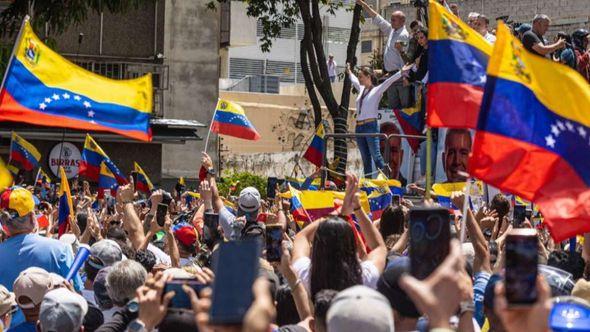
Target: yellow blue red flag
(66,207)
(24,153)
(533,135)
(230,119)
(92,156)
(315,151)
(143,182)
(5,176)
(45,89)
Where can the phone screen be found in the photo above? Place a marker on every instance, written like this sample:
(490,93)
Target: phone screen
(274,238)
(396,200)
(521,267)
(235,269)
(161,214)
(181,299)
(518,215)
(210,234)
(430,236)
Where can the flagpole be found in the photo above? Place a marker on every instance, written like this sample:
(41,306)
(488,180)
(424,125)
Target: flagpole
(209,132)
(16,43)
(465,206)
(428,162)
(37,178)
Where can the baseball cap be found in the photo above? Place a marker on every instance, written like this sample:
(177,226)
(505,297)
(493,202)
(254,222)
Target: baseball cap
(186,235)
(582,290)
(569,314)
(17,199)
(62,310)
(560,281)
(33,283)
(101,296)
(107,251)
(249,200)
(7,301)
(360,308)
(388,285)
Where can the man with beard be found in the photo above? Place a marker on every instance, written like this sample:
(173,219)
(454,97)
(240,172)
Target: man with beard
(456,155)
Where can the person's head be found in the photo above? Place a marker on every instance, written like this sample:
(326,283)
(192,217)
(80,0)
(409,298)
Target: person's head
(367,77)
(249,203)
(286,309)
(82,221)
(123,279)
(334,262)
(396,153)
(63,311)
(568,57)
(472,19)
(186,237)
(29,288)
(568,261)
(105,253)
(541,24)
(146,258)
(501,204)
(101,295)
(331,57)
(321,304)
(488,304)
(392,221)
(522,29)
(454,9)
(388,285)
(18,215)
(398,19)
(456,154)
(415,26)
(580,39)
(482,23)
(360,308)
(422,37)
(7,306)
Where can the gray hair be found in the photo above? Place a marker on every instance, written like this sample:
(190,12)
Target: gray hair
(541,17)
(123,279)
(17,225)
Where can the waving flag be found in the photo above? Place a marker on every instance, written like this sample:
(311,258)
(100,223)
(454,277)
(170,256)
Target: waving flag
(66,208)
(92,156)
(42,177)
(379,200)
(23,153)
(45,89)
(143,182)
(457,61)
(299,214)
(5,176)
(106,181)
(230,119)
(315,151)
(533,135)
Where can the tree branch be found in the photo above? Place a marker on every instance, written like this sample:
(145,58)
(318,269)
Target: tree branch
(313,97)
(355,32)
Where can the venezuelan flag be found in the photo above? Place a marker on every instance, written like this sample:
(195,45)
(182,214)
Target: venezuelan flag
(92,156)
(297,210)
(66,207)
(315,151)
(5,176)
(143,182)
(379,200)
(42,177)
(370,185)
(533,135)
(457,61)
(45,89)
(24,153)
(230,119)
(106,181)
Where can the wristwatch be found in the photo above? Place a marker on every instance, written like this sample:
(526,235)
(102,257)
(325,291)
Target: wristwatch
(467,306)
(136,326)
(212,172)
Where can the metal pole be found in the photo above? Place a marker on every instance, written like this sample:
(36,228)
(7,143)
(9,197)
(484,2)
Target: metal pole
(209,132)
(428,162)
(16,43)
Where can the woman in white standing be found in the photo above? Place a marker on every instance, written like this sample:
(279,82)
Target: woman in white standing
(367,106)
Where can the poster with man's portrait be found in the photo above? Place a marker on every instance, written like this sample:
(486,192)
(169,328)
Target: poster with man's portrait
(452,157)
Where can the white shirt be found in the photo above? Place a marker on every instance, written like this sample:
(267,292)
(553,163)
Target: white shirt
(161,257)
(490,38)
(332,68)
(371,101)
(392,59)
(302,267)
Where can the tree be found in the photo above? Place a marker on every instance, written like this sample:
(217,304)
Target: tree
(277,14)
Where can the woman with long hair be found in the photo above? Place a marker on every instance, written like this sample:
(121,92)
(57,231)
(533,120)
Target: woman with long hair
(367,107)
(329,255)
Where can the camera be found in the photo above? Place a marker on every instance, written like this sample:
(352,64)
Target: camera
(420,3)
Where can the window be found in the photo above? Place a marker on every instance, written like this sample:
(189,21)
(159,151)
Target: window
(366,46)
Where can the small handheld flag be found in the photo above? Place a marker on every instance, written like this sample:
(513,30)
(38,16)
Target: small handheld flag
(23,153)
(106,181)
(66,207)
(315,151)
(143,182)
(92,156)
(230,119)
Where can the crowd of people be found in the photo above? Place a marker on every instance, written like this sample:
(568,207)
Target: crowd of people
(342,272)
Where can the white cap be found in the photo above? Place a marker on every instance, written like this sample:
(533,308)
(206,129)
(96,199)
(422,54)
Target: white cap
(249,200)
(62,310)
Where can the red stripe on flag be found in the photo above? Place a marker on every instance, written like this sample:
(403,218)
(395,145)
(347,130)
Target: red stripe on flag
(235,131)
(22,160)
(90,171)
(453,105)
(314,156)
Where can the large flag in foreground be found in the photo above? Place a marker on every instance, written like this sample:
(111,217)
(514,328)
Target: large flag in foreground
(457,61)
(230,119)
(45,89)
(23,153)
(66,207)
(315,151)
(533,135)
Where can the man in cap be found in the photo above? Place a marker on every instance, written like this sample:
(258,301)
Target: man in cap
(24,248)
(7,307)
(186,237)
(63,311)
(103,253)
(29,289)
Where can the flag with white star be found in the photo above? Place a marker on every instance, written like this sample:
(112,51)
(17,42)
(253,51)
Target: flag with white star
(23,153)
(230,119)
(533,134)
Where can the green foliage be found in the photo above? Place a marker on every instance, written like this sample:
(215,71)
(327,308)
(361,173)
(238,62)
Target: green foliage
(246,180)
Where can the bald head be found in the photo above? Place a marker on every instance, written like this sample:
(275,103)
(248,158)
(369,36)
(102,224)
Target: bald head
(398,19)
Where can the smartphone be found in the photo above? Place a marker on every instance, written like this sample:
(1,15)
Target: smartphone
(161,214)
(430,236)
(396,200)
(210,234)
(518,215)
(235,270)
(274,238)
(521,267)
(181,299)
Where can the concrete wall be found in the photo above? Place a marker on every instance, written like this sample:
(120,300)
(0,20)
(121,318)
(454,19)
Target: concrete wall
(191,48)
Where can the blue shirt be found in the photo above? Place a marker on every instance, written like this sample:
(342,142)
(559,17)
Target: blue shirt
(479,288)
(23,327)
(26,250)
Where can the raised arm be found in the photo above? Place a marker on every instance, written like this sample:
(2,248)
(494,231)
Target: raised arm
(370,11)
(131,221)
(381,88)
(481,261)
(355,81)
